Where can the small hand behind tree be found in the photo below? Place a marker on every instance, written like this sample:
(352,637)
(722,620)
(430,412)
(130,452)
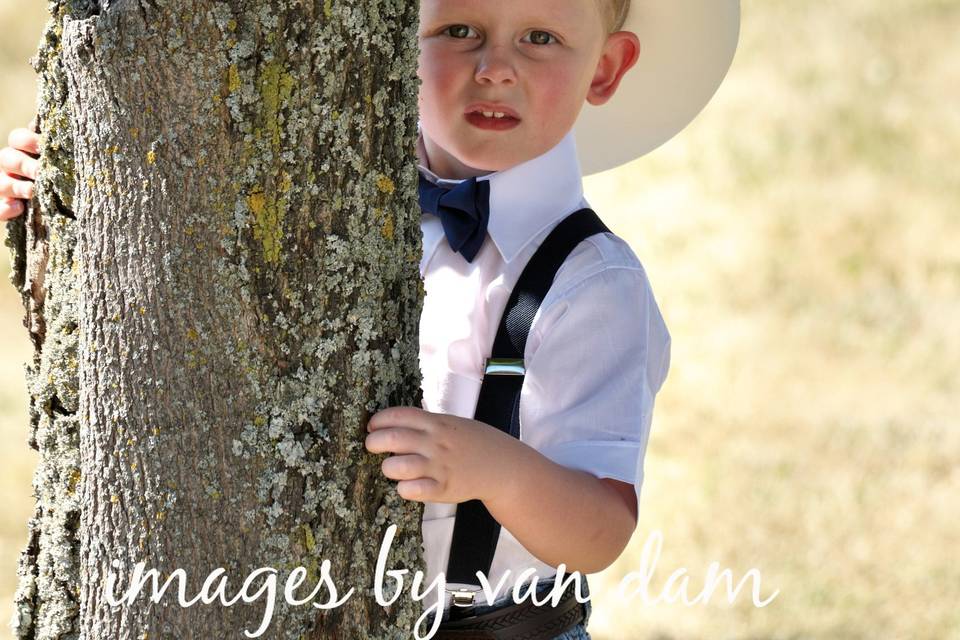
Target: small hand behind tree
(18,170)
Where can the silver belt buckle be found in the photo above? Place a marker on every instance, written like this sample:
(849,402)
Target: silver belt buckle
(463,597)
(504,367)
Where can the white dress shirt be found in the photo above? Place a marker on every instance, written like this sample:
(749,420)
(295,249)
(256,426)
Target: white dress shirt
(596,355)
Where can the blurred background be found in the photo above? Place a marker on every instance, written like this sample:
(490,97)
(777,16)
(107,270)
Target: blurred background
(803,241)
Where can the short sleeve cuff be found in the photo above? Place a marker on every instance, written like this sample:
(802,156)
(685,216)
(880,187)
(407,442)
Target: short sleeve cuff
(615,459)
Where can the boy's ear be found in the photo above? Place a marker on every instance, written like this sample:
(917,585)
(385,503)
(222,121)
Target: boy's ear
(620,52)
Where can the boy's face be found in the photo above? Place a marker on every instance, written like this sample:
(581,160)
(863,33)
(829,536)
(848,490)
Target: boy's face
(536,58)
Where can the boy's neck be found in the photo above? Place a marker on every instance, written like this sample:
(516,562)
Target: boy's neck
(444,165)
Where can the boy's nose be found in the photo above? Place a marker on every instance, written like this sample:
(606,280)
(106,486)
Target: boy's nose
(495,67)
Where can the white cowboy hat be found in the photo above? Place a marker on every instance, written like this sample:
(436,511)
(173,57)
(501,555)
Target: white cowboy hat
(686,47)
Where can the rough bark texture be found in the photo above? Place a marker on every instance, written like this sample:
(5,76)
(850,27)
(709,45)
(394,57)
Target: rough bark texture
(220,275)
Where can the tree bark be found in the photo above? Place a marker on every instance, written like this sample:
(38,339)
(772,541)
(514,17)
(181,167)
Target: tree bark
(221,279)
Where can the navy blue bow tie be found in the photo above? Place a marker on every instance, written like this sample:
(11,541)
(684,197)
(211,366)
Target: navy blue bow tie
(463,210)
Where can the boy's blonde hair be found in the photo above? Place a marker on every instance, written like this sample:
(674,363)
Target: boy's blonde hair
(614,13)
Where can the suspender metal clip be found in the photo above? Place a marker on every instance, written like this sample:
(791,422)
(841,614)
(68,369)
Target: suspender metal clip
(504,367)
(463,597)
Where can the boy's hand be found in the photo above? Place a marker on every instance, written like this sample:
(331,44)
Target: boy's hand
(440,457)
(18,170)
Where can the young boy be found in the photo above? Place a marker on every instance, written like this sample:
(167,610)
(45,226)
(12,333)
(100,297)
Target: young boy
(503,86)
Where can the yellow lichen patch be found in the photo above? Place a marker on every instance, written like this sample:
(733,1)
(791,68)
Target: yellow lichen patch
(114,150)
(73,481)
(285,182)
(276,87)
(257,202)
(161,515)
(386,230)
(234,78)
(259,420)
(151,157)
(134,132)
(385,184)
(192,333)
(312,568)
(91,182)
(268,216)
(114,498)
(308,537)
(327,8)
(232,24)
(142,310)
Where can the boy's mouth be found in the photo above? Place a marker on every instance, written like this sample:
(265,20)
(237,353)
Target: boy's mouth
(493,117)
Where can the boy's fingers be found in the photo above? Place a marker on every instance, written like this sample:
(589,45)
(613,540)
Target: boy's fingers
(421,489)
(10,208)
(397,417)
(397,440)
(404,467)
(24,140)
(11,187)
(18,163)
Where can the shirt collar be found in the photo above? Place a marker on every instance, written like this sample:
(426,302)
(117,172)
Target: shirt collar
(527,198)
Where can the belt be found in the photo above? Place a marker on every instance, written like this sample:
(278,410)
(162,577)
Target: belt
(523,621)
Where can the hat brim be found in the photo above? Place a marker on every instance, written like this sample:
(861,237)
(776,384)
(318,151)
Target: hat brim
(686,48)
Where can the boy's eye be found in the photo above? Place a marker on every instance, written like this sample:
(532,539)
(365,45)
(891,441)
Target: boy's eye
(541,37)
(458,31)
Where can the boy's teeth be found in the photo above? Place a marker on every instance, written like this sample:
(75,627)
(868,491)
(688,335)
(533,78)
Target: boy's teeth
(492,114)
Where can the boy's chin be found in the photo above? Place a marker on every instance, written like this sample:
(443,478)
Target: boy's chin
(493,159)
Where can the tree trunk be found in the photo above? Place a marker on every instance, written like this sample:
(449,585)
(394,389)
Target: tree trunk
(221,281)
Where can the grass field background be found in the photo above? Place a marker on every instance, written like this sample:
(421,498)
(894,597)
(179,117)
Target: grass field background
(803,241)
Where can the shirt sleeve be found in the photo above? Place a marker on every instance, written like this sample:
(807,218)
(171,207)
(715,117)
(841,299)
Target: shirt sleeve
(595,359)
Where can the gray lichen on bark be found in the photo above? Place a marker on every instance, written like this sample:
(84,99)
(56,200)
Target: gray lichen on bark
(45,273)
(245,292)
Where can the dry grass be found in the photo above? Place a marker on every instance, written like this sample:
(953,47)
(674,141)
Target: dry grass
(801,237)
(802,240)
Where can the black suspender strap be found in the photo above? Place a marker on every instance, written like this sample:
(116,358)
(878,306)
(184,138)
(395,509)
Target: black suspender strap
(475,531)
